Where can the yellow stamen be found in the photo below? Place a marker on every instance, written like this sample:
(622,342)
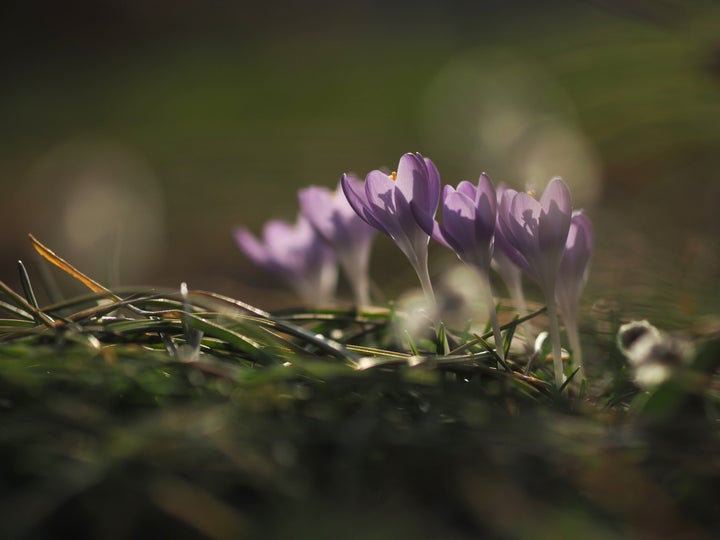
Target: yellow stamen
(531,192)
(393,176)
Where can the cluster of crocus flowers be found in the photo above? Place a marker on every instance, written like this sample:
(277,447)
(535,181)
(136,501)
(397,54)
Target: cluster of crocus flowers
(306,255)
(487,228)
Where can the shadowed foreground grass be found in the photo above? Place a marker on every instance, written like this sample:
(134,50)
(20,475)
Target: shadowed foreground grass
(137,414)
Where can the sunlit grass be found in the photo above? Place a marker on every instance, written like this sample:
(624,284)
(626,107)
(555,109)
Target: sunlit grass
(187,413)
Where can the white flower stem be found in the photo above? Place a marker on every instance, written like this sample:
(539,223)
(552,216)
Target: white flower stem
(492,312)
(573,335)
(516,293)
(357,274)
(361,291)
(555,337)
(424,277)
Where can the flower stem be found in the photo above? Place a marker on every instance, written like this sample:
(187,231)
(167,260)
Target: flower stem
(424,277)
(573,334)
(359,282)
(555,337)
(499,348)
(516,293)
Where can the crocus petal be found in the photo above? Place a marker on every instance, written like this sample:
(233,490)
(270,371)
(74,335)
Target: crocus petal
(316,204)
(558,192)
(280,239)
(485,189)
(523,225)
(433,182)
(467,189)
(553,227)
(503,247)
(346,211)
(412,180)
(503,214)
(379,189)
(485,209)
(554,219)
(251,246)
(573,274)
(584,232)
(357,198)
(409,231)
(458,213)
(576,259)
(429,225)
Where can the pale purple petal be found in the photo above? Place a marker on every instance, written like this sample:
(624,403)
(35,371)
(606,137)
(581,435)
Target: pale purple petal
(554,223)
(316,204)
(409,232)
(281,238)
(379,191)
(250,246)
(423,219)
(504,248)
(341,203)
(458,226)
(505,240)
(575,265)
(485,202)
(355,194)
(523,225)
(555,217)
(558,192)
(357,198)
(412,180)
(585,230)
(576,259)
(485,189)
(505,198)
(467,189)
(433,185)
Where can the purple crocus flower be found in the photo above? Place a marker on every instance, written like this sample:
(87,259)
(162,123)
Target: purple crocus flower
(468,221)
(537,232)
(297,254)
(572,277)
(508,262)
(384,203)
(344,231)
(468,224)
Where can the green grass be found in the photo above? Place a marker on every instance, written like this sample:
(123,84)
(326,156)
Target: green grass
(191,415)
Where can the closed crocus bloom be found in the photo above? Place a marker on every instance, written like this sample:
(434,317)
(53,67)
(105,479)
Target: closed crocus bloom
(345,232)
(468,223)
(572,277)
(538,231)
(383,201)
(508,262)
(297,254)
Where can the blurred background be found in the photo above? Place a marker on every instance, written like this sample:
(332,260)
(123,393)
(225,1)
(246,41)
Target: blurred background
(136,135)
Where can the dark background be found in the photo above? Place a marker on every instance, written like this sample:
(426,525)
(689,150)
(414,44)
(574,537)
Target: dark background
(136,135)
